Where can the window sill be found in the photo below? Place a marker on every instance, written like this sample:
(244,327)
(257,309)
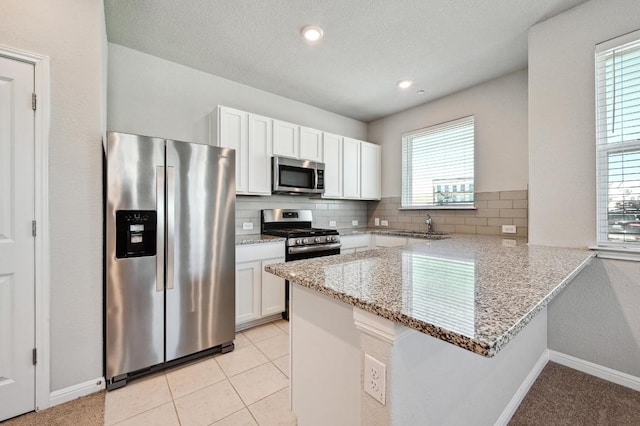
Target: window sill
(617,253)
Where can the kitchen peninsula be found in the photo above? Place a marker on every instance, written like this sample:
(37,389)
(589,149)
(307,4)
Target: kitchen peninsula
(460,324)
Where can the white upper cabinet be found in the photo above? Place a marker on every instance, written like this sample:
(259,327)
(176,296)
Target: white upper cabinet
(260,149)
(232,133)
(370,165)
(286,139)
(310,144)
(350,168)
(250,135)
(332,158)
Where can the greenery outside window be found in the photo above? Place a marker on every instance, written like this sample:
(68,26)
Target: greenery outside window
(438,166)
(618,141)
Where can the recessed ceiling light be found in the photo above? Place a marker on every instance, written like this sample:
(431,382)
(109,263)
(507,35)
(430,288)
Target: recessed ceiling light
(405,84)
(420,92)
(312,33)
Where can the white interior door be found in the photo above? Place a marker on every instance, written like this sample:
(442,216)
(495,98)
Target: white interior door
(17,316)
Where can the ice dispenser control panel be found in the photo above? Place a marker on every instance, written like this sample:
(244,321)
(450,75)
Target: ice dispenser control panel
(135,233)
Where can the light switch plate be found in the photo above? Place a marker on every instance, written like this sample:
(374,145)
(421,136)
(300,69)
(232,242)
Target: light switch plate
(354,222)
(376,221)
(332,223)
(247,225)
(384,223)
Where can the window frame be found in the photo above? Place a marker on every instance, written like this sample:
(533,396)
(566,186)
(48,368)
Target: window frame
(604,148)
(408,171)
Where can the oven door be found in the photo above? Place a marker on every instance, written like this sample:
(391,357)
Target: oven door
(299,253)
(291,176)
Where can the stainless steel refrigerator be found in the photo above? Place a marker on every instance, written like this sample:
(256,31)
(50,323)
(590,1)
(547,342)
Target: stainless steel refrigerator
(169,253)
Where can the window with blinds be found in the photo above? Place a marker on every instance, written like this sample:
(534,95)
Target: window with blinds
(618,140)
(438,166)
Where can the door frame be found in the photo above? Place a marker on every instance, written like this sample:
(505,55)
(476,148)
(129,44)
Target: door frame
(42,283)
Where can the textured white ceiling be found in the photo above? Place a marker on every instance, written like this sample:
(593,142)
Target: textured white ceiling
(443,45)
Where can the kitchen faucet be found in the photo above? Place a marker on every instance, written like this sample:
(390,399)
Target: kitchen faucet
(429,223)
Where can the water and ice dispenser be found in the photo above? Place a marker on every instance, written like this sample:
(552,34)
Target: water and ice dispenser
(136,233)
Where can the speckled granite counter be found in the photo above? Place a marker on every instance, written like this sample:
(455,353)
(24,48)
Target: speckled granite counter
(256,239)
(471,291)
(394,232)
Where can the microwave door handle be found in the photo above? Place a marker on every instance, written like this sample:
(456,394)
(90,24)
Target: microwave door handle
(316,176)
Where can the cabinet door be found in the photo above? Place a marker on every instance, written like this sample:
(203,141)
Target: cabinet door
(259,155)
(389,241)
(272,290)
(232,133)
(310,144)
(370,179)
(286,139)
(350,168)
(332,158)
(248,277)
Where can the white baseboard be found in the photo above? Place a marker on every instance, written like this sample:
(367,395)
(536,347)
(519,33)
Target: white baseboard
(522,391)
(76,391)
(605,373)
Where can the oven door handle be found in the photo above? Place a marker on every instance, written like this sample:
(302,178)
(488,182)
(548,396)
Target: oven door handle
(309,249)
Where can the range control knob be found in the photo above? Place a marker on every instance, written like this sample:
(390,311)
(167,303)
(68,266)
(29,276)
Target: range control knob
(305,241)
(331,238)
(299,242)
(317,239)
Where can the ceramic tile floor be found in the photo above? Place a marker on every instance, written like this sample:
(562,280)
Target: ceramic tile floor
(249,386)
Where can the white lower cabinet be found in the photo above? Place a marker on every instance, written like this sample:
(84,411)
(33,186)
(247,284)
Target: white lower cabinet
(355,243)
(259,294)
(388,241)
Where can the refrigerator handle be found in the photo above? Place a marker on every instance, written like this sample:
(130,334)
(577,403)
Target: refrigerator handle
(160,201)
(171,212)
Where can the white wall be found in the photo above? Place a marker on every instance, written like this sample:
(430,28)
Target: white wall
(500,109)
(596,317)
(155,97)
(71,34)
(562,180)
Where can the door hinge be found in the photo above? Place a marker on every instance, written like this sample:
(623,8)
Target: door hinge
(33,228)
(34,101)
(35,356)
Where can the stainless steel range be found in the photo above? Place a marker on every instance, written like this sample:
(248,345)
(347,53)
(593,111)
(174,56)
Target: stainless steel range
(303,241)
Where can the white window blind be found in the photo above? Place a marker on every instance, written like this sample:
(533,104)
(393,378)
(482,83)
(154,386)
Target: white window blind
(438,166)
(618,141)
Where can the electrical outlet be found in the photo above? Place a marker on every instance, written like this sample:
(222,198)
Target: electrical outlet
(375,376)
(247,225)
(376,221)
(354,223)
(508,229)
(384,223)
(332,223)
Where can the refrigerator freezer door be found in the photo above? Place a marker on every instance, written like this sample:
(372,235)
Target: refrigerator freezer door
(200,308)
(134,306)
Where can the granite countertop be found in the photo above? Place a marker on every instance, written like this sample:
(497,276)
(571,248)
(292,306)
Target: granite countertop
(394,232)
(476,292)
(257,239)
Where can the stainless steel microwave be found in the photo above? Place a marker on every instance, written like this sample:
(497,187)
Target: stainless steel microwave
(296,177)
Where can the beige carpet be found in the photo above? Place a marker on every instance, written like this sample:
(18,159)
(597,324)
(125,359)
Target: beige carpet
(563,396)
(85,411)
